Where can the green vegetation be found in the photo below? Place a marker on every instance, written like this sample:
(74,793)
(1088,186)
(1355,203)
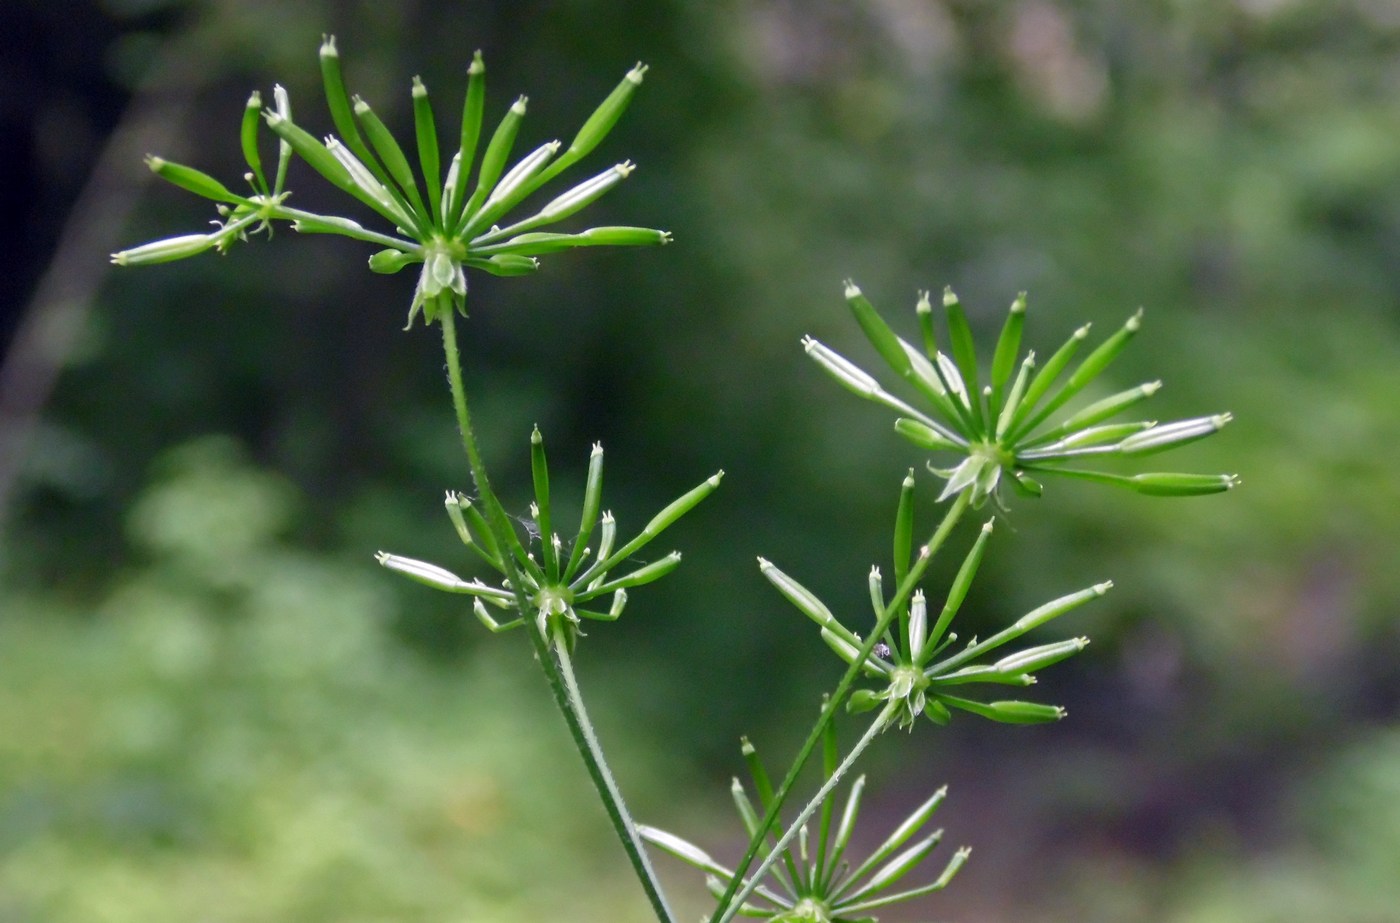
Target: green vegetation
(1231,169)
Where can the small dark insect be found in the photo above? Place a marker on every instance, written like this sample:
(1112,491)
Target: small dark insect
(881,650)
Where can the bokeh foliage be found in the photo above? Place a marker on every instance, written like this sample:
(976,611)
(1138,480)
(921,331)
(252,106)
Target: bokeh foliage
(200,663)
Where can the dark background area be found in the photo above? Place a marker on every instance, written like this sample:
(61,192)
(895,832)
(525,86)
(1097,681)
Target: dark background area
(213,704)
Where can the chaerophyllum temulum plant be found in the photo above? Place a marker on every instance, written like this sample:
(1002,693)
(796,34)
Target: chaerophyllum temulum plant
(994,429)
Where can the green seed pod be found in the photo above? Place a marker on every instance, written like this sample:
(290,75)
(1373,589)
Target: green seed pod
(533,244)
(283,104)
(539,471)
(494,160)
(681,849)
(1058,607)
(596,128)
(479,526)
(928,379)
(957,592)
(846,826)
(1092,366)
(1025,485)
(624,237)
(592,502)
(804,599)
(918,624)
(459,522)
(1098,360)
(1009,712)
(164,251)
(937,712)
(313,152)
(1100,435)
(392,156)
(607,537)
(877,331)
(600,123)
(326,224)
(898,867)
(964,350)
(642,575)
(1044,379)
(846,372)
(1107,407)
(923,309)
(508,191)
(422,572)
(507,264)
(863,700)
(744,806)
(680,506)
(1171,435)
(378,196)
(910,826)
(248,138)
(877,592)
(1162,484)
(192,180)
(1040,657)
(904,528)
(429,156)
(1009,343)
(1015,396)
(472,109)
(388,262)
(338,100)
(586,193)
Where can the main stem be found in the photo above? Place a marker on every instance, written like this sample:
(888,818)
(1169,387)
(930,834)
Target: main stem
(882,721)
(906,587)
(558,671)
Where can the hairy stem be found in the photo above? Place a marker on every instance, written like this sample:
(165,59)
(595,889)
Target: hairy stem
(906,587)
(592,753)
(558,671)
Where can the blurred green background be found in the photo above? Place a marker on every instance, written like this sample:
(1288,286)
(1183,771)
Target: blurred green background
(214,706)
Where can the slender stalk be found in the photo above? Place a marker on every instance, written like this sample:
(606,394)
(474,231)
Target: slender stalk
(602,778)
(882,721)
(365,234)
(906,587)
(558,670)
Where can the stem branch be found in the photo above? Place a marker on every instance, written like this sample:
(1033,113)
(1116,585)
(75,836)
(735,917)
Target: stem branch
(557,669)
(881,722)
(906,587)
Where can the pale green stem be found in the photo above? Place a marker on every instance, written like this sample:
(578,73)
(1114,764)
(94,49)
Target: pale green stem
(906,587)
(557,671)
(365,234)
(882,721)
(606,784)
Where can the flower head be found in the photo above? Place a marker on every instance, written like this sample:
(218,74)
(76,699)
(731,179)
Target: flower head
(816,882)
(557,582)
(1011,428)
(440,221)
(915,665)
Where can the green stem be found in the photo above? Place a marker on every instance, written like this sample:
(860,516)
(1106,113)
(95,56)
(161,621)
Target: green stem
(365,234)
(592,752)
(557,670)
(906,587)
(882,721)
